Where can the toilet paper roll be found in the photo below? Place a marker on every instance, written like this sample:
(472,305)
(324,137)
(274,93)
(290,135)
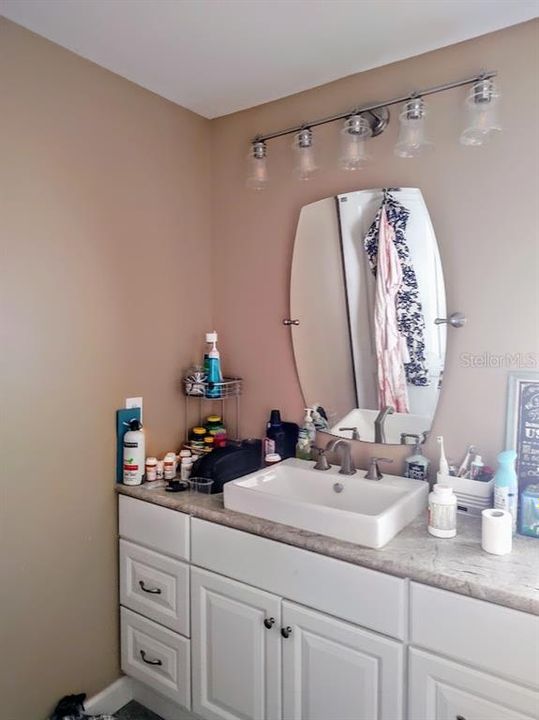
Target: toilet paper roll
(496,531)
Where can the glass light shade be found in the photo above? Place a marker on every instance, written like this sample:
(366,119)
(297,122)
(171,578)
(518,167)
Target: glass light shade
(481,113)
(257,168)
(412,140)
(355,132)
(305,165)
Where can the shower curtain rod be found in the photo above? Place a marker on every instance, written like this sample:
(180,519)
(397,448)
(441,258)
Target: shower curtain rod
(376,106)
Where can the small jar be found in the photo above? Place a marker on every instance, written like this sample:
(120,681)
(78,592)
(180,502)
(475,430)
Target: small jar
(214,423)
(170,466)
(272,459)
(151,469)
(208,443)
(220,439)
(442,511)
(197,436)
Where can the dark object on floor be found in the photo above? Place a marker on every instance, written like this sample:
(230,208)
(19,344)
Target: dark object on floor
(134,711)
(71,707)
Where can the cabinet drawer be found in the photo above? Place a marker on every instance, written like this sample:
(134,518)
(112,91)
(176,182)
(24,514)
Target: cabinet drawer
(364,597)
(155,585)
(498,639)
(444,690)
(156,656)
(154,526)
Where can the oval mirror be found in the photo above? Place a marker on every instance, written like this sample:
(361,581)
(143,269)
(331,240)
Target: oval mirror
(367,288)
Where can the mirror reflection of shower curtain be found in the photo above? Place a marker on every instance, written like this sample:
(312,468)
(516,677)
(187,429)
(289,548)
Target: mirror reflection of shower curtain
(356,213)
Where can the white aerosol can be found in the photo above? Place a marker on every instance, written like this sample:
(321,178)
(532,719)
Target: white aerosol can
(134,454)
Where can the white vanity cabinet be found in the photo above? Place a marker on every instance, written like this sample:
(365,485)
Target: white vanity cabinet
(251,648)
(470,660)
(444,690)
(154,597)
(259,656)
(236,649)
(241,627)
(332,669)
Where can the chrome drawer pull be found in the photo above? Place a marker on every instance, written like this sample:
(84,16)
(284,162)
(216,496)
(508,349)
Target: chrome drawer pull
(149,662)
(152,591)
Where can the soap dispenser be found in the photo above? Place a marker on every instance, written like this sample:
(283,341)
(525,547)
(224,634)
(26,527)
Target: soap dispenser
(309,426)
(416,465)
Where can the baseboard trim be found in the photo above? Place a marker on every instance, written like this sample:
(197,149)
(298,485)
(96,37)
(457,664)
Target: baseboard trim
(112,698)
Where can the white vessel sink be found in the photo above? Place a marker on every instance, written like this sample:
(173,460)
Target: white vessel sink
(366,512)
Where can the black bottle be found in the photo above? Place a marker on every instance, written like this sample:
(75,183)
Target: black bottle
(275,441)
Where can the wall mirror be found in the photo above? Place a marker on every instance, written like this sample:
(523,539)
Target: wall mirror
(367,290)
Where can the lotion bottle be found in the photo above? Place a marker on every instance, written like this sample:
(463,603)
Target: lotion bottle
(133,454)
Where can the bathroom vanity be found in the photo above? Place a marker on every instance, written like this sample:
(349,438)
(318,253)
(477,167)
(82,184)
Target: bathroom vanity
(235,617)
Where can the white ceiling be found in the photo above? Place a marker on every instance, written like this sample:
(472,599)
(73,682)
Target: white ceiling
(219,56)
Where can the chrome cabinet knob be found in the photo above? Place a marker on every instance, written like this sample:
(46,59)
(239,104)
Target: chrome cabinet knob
(269,623)
(286,631)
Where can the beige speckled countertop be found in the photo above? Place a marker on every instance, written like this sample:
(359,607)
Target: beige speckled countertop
(458,564)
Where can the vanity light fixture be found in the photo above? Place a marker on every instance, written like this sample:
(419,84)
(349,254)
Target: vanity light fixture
(412,140)
(481,104)
(257,174)
(482,113)
(354,134)
(305,165)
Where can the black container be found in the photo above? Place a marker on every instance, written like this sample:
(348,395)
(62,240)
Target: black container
(276,432)
(228,463)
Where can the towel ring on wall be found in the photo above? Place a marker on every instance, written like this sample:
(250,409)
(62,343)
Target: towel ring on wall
(456,320)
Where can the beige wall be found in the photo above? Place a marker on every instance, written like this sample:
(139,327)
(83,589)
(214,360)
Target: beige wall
(106,227)
(105,233)
(482,203)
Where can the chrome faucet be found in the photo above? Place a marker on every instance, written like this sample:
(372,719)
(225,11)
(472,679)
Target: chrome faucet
(353,430)
(379,423)
(347,463)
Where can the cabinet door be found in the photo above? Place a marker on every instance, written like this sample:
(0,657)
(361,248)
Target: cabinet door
(336,671)
(236,658)
(444,690)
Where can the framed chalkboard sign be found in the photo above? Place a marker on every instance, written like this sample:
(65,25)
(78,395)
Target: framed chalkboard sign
(523,433)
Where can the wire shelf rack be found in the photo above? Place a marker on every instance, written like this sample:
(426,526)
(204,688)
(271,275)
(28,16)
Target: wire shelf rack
(205,396)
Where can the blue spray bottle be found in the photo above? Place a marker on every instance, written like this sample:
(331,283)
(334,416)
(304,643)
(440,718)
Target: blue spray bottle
(212,367)
(506,485)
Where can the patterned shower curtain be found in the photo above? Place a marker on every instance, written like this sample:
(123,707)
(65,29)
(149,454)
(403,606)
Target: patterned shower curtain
(410,318)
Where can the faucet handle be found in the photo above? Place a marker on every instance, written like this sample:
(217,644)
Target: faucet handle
(322,462)
(373,473)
